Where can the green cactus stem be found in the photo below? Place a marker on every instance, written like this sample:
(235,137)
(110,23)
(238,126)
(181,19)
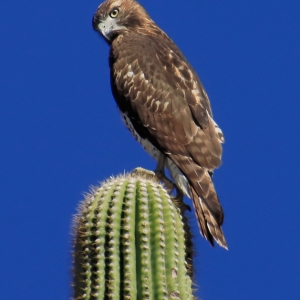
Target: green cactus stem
(131,243)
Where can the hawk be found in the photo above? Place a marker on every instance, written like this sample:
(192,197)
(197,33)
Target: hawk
(164,105)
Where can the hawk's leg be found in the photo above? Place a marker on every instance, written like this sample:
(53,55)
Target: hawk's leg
(178,200)
(170,185)
(160,174)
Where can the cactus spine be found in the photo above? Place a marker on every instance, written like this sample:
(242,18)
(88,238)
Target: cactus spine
(130,243)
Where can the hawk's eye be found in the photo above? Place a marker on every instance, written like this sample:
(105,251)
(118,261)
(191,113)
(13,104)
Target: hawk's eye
(114,13)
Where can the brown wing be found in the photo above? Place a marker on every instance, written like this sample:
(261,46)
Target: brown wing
(154,84)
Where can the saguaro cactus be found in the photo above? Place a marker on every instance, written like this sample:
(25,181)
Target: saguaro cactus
(131,243)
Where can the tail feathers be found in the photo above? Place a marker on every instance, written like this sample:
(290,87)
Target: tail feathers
(209,227)
(208,209)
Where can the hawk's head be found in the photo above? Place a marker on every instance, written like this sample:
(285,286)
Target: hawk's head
(114,17)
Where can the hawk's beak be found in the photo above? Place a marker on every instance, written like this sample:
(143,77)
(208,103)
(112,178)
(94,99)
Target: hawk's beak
(107,27)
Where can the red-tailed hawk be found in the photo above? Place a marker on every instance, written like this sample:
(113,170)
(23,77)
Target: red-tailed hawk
(164,105)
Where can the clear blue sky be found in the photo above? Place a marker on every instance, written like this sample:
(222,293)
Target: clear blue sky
(60,132)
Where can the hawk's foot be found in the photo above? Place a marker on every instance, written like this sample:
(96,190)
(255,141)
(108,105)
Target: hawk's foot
(157,175)
(169,184)
(178,200)
(145,173)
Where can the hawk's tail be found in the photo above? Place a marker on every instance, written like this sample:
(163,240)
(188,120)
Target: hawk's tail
(209,226)
(206,203)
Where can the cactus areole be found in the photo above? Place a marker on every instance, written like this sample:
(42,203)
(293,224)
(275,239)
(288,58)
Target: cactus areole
(131,243)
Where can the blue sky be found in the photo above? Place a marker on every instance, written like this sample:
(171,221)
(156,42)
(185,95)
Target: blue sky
(60,133)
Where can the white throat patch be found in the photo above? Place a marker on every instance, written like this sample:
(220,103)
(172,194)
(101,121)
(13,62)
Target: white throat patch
(108,26)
